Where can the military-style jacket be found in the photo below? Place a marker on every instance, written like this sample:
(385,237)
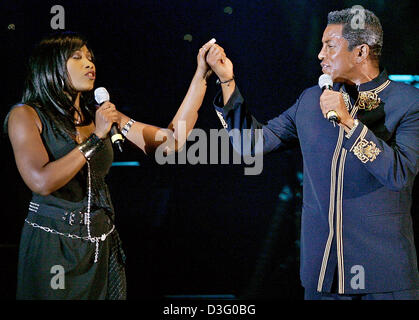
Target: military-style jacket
(357,191)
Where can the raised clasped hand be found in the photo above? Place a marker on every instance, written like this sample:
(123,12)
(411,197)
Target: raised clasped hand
(202,66)
(219,63)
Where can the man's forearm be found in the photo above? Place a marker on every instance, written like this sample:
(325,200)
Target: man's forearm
(228,89)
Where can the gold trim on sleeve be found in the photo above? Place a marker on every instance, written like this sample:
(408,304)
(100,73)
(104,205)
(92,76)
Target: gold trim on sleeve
(366,150)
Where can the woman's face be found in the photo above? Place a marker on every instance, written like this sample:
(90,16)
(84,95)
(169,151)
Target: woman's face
(81,70)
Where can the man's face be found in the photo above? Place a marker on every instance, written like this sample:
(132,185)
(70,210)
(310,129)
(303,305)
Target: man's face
(337,61)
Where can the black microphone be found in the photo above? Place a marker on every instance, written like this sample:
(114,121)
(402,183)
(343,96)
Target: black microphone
(326,82)
(101,96)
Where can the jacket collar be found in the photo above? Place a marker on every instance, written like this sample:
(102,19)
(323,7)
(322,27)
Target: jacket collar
(371,85)
(374,83)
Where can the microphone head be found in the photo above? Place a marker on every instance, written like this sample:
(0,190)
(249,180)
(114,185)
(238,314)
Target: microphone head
(325,81)
(101,95)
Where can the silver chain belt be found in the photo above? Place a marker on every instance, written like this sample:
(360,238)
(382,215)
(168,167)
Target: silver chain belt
(74,236)
(87,221)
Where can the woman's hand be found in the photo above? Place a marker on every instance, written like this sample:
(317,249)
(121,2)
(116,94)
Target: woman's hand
(202,66)
(106,115)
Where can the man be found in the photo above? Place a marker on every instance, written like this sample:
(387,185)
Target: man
(357,237)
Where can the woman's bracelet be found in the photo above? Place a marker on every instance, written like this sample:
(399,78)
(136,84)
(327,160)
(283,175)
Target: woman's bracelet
(91,146)
(127,126)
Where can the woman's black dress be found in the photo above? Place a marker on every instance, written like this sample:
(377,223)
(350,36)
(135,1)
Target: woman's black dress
(57,260)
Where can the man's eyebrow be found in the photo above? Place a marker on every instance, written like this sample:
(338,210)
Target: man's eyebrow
(328,41)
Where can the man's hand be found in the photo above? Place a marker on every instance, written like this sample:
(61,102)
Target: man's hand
(219,63)
(333,100)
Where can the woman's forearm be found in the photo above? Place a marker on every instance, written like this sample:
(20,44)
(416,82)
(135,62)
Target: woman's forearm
(56,174)
(149,137)
(187,114)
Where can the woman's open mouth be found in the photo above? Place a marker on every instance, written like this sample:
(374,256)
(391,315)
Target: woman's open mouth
(91,75)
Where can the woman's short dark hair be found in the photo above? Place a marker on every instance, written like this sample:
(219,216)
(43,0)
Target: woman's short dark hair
(368,31)
(48,79)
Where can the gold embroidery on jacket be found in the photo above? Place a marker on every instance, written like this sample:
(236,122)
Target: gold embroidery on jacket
(369,100)
(366,150)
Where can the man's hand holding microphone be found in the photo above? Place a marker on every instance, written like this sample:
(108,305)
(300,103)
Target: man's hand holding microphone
(333,106)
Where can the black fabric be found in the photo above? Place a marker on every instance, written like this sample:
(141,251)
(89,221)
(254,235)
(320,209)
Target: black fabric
(42,250)
(117,286)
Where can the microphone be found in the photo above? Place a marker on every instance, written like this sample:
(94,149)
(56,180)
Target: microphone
(326,83)
(101,96)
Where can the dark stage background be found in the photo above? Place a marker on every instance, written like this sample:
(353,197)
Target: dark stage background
(204,229)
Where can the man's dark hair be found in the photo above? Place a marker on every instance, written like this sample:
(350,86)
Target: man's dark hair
(371,33)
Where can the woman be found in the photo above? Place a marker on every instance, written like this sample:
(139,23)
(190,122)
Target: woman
(69,247)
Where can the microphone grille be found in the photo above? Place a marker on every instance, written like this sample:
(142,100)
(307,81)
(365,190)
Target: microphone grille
(101,95)
(325,80)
